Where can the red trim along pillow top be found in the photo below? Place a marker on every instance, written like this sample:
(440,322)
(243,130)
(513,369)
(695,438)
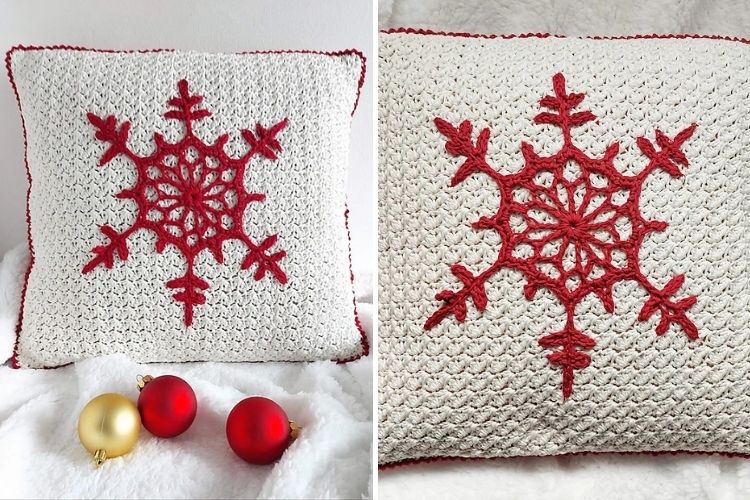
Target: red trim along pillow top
(186,206)
(564,245)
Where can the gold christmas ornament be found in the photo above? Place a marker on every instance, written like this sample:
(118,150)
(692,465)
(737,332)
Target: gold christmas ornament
(108,426)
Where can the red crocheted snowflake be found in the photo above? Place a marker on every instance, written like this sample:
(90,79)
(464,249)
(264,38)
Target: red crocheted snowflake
(191,195)
(571,224)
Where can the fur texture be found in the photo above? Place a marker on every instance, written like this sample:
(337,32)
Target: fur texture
(41,457)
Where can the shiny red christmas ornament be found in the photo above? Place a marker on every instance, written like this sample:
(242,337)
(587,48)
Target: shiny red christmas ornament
(258,430)
(167,405)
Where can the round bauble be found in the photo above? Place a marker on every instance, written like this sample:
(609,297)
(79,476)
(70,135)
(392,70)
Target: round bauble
(258,430)
(108,426)
(167,405)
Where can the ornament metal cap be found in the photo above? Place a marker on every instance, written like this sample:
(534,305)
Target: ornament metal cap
(99,457)
(294,429)
(142,380)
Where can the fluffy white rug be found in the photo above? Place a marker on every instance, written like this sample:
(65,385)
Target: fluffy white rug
(589,477)
(569,17)
(40,456)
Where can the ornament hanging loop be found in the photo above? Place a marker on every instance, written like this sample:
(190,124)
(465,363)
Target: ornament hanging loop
(294,429)
(142,380)
(99,457)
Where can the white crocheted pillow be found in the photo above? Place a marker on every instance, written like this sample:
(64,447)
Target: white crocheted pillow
(186,206)
(564,239)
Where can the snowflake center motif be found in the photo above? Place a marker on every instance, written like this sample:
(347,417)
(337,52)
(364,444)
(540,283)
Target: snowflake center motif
(191,195)
(569,223)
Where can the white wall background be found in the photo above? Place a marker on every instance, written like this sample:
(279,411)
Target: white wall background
(211,26)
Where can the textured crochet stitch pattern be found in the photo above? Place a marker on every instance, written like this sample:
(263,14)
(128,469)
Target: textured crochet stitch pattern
(192,195)
(217,222)
(570,224)
(642,314)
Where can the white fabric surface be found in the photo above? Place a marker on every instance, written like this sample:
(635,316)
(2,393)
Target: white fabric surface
(73,312)
(576,477)
(40,456)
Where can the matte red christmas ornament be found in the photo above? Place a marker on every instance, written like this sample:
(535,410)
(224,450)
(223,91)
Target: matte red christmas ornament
(258,430)
(167,405)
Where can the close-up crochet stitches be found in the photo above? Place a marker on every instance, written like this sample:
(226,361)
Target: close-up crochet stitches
(571,224)
(465,375)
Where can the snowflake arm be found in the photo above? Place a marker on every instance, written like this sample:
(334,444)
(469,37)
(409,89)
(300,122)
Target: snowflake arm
(105,254)
(569,357)
(107,131)
(264,141)
(459,143)
(671,311)
(190,292)
(670,157)
(455,302)
(258,254)
(561,104)
(183,107)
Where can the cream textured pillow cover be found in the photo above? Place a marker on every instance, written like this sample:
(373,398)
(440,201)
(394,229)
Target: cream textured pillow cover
(186,206)
(564,240)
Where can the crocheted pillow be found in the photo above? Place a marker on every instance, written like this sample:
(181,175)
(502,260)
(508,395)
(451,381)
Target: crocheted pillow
(563,245)
(186,206)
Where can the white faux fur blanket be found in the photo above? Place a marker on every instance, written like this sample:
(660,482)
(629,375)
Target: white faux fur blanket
(40,456)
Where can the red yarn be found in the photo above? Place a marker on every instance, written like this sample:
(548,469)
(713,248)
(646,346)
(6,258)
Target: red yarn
(357,322)
(442,458)
(505,36)
(569,232)
(191,195)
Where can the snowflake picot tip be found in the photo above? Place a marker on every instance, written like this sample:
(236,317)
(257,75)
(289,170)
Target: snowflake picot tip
(190,195)
(569,223)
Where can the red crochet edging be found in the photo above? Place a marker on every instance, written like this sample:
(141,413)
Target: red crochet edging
(426,460)
(424,31)
(429,32)
(8,55)
(491,36)
(362,334)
